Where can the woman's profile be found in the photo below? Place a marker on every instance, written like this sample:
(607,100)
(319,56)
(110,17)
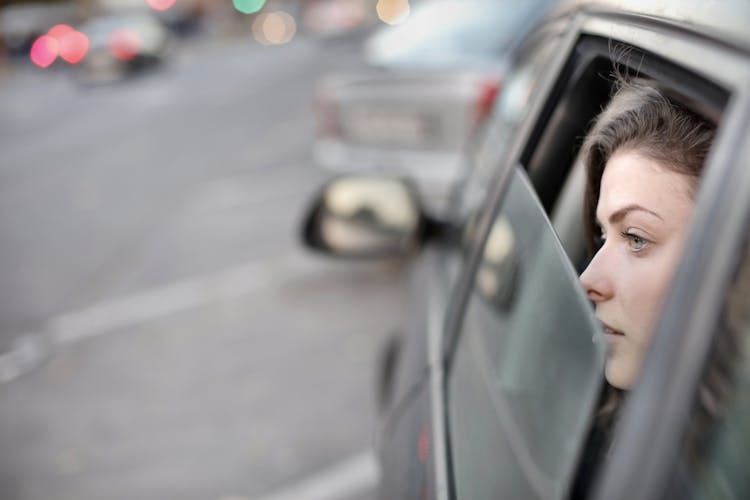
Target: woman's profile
(643,159)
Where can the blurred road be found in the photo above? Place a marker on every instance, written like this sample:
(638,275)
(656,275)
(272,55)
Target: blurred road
(162,334)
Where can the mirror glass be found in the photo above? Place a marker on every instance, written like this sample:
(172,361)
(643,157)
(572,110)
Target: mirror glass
(361,216)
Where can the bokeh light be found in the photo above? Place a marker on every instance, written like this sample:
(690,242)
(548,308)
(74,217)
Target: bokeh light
(161,4)
(59,31)
(44,51)
(73,46)
(393,11)
(274,28)
(249,6)
(124,44)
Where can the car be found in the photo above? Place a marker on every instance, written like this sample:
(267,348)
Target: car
(491,388)
(428,86)
(22,23)
(122,43)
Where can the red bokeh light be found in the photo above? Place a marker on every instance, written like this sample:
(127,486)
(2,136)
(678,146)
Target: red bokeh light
(124,44)
(59,31)
(44,51)
(73,47)
(161,4)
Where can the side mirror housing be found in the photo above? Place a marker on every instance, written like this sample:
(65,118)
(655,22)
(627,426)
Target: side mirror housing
(365,217)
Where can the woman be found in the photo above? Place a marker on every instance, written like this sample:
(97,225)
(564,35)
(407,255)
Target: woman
(643,159)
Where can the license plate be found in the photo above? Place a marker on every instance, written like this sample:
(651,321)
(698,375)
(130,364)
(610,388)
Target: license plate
(387,128)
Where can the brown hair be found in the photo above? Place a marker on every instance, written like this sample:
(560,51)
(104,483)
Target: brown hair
(639,117)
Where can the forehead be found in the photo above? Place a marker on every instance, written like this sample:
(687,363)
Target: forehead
(630,178)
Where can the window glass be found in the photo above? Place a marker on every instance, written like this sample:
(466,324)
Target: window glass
(527,370)
(715,458)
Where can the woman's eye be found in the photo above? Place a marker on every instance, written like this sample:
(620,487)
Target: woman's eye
(635,242)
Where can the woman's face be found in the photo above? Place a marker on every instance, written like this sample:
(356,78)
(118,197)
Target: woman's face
(644,212)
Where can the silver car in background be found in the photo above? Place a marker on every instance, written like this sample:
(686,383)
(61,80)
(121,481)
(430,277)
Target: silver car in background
(431,84)
(122,43)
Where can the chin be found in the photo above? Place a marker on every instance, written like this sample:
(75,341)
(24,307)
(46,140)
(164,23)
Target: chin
(618,376)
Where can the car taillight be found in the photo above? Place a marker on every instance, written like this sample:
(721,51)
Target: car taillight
(486,95)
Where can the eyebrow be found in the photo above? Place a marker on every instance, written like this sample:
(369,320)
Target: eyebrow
(620,214)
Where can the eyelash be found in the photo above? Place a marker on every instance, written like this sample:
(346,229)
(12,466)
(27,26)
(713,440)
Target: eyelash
(632,239)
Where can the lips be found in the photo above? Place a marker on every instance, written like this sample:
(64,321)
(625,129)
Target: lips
(609,330)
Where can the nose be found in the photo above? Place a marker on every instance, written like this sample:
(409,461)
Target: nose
(595,279)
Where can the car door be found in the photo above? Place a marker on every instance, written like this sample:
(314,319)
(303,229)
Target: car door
(524,367)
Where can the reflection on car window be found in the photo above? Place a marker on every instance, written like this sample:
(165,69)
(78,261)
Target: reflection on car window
(715,459)
(527,371)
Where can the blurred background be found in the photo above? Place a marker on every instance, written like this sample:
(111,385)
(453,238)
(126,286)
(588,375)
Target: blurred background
(163,334)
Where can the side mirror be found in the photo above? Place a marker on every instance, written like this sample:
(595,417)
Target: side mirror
(365,216)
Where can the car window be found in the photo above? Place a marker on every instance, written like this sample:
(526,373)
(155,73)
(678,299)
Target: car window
(715,456)
(527,370)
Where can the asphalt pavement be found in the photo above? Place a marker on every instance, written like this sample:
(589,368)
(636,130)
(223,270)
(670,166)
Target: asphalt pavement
(162,332)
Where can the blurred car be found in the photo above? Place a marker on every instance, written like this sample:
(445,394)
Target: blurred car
(433,80)
(491,389)
(121,44)
(22,23)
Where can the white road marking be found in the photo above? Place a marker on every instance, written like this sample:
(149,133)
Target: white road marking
(32,348)
(356,475)
(168,300)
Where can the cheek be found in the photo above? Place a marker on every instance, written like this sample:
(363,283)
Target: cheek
(644,289)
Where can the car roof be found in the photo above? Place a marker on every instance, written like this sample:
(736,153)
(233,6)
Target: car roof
(723,20)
